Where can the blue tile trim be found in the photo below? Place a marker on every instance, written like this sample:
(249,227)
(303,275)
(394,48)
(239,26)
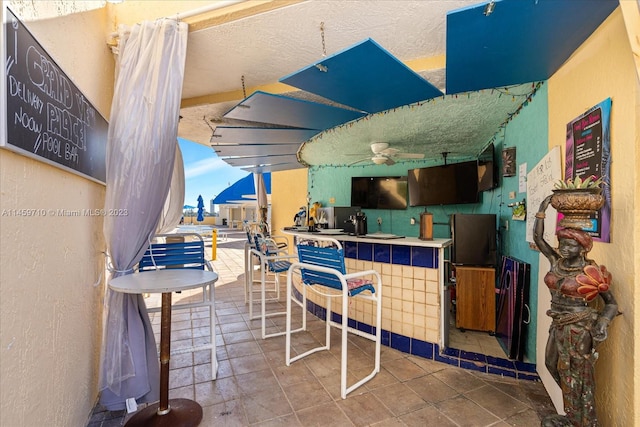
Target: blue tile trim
(451,356)
(450,351)
(382,253)
(525,367)
(400,342)
(423,257)
(502,363)
(385,337)
(350,249)
(473,366)
(401,255)
(335,317)
(422,348)
(368,329)
(455,361)
(475,357)
(529,377)
(365,251)
(417,256)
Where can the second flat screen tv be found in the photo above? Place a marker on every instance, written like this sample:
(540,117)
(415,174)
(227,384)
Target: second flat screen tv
(380,192)
(452,184)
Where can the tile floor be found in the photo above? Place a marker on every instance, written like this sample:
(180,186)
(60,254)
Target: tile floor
(255,387)
(475,341)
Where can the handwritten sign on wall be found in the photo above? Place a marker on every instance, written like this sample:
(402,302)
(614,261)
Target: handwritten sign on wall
(540,182)
(47,116)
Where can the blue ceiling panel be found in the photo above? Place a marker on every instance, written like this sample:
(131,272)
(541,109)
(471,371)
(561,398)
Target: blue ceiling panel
(520,41)
(364,76)
(256,135)
(281,110)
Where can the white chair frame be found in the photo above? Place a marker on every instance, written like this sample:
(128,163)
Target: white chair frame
(343,294)
(249,266)
(266,262)
(208,300)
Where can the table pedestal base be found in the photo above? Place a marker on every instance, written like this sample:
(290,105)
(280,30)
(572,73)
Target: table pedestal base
(183,413)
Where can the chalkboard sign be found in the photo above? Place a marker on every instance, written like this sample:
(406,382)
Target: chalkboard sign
(540,182)
(588,152)
(47,117)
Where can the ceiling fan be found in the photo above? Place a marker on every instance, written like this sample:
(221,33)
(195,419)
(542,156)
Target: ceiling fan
(383,154)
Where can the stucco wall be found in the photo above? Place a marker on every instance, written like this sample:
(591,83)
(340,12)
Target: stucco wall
(51,283)
(288,193)
(604,67)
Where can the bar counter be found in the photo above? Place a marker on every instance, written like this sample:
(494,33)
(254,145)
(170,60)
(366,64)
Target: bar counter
(413,278)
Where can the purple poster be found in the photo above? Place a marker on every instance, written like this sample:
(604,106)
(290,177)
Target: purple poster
(588,152)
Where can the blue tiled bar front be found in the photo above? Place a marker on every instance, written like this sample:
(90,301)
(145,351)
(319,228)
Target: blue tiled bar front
(413,277)
(412,273)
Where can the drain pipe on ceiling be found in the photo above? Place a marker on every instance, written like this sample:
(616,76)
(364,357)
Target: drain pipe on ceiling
(112,38)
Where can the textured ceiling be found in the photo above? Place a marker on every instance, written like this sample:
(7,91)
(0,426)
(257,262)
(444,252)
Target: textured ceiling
(268,46)
(264,47)
(232,58)
(459,125)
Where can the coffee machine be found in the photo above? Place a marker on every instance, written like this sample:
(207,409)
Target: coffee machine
(359,221)
(340,217)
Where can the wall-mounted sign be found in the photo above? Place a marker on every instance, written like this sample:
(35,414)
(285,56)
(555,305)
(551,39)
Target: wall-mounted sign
(43,114)
(540,182)
(588,152)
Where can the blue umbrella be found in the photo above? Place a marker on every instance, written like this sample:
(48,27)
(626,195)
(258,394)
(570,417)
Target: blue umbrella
(200,209)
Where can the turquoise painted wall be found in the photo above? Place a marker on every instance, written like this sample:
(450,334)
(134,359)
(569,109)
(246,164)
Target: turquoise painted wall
(335,182)
(527,132)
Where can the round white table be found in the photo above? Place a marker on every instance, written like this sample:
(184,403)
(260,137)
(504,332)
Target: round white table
(174,412)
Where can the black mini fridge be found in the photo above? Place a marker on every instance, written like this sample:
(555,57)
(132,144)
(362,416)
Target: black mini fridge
(474,240)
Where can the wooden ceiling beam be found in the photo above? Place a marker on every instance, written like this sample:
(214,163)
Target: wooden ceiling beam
(235,12)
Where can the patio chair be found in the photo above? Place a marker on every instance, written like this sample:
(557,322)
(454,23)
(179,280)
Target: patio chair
(281,242)
(322,268)
(184,250)
(271,260)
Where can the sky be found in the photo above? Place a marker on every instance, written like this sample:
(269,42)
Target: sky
(205,173)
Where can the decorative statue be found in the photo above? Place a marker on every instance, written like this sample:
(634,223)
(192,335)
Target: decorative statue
(578,326)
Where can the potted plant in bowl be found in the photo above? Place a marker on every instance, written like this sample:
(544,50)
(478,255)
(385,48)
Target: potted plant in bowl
(577,200)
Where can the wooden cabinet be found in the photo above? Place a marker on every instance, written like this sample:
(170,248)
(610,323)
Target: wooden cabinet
(475,298)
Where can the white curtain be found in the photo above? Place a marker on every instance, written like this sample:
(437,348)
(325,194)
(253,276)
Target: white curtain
(173,205)
(141,148)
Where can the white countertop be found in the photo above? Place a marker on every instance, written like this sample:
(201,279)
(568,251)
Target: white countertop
(370,238)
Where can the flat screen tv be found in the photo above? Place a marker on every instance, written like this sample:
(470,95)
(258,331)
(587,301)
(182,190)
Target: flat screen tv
(487,170)
(451,184)
(379,192)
